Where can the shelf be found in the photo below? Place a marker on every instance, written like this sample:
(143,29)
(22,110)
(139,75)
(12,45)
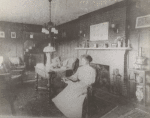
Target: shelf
(123,48)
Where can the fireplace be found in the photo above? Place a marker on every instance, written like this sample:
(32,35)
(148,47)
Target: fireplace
(102,76)
(116,60)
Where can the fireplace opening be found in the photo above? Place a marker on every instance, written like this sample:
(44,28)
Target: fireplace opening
(102,76)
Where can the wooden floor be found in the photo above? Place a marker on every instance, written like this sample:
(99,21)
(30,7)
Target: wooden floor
(26,104)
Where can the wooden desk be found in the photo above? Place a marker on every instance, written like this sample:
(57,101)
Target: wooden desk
(41,72)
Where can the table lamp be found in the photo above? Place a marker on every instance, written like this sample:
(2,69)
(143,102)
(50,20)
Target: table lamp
(48,50)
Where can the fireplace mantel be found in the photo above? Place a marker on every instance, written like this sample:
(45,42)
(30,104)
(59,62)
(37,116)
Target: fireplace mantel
(115,58)
(123,48)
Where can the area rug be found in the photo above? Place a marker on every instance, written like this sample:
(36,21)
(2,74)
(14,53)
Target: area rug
(136,113)
(23,100)
(104,107)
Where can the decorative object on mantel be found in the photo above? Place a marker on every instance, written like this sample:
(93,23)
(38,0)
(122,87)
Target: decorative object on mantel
(120,40)
(100,45)
(140,60)
(113,45)
(106,45)
(129,45)
(95,45)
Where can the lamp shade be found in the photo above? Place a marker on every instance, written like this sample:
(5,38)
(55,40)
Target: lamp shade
(49,48)
(45,31)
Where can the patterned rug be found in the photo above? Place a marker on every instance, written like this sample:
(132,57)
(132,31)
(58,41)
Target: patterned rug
(23,100)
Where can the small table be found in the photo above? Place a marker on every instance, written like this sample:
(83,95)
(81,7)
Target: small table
(61,72)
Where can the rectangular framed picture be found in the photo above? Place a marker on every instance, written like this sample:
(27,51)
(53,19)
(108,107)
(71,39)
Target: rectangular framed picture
(13,34)
(99,32)
(143,21)
(2,34)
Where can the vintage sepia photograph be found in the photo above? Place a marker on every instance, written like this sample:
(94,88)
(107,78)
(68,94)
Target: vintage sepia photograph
(75,59)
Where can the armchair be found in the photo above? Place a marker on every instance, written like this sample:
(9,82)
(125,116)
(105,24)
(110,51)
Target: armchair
(90,100)
(17,63)
(11,76)
(16,69)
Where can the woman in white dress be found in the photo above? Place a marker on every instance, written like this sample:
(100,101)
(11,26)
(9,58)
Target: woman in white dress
(70,100)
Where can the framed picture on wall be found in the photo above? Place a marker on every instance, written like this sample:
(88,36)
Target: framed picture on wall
(13,34)
(2,34)
(143,21)
(99,32)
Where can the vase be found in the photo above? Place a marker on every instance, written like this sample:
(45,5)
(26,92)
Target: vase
(119,44)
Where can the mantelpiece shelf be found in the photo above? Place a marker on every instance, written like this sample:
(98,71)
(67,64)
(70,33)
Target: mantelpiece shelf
(123,48)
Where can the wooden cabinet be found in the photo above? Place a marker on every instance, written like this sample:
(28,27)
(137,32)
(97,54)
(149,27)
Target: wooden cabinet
(139,85)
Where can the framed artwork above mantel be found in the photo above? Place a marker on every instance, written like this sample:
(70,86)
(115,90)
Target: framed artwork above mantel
(99,32)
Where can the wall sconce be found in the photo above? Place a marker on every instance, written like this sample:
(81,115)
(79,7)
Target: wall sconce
(31,36)
(115,28)
(81,33)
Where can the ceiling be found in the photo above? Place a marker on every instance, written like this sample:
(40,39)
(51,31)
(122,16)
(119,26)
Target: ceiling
(38,11)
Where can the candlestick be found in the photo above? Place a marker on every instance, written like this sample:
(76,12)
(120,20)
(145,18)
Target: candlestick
(128,43)
(140,51)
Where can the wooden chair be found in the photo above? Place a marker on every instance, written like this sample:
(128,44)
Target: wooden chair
(90,104)
(17,63)
(74,68)
(17,67)
(15,74)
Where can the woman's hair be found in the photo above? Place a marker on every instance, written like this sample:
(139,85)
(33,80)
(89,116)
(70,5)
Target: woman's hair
(87,57)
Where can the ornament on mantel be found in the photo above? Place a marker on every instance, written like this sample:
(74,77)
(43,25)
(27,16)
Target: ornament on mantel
(120,41)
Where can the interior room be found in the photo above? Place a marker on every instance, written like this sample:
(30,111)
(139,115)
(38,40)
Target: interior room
(75,58)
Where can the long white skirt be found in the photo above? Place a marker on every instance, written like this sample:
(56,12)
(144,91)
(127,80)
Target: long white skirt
(70,100)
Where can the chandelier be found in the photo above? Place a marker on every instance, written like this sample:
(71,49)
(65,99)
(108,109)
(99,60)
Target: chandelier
(49,28)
